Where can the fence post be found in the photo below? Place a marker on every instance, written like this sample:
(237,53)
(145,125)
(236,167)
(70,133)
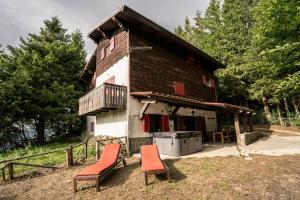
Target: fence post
(86,148)
(69,156)
(3,173)
(10,171)
(97,150)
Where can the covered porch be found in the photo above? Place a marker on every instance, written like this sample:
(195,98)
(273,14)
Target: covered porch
(242,116)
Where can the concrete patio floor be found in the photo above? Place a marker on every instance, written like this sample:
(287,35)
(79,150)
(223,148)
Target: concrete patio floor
(273,145)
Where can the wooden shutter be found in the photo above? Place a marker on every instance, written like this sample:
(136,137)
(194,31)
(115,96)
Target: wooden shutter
(179,89)
(102,54)
(145,123)
(165,123)
(112,43)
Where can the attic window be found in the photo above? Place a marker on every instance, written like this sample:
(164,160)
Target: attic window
(208,81)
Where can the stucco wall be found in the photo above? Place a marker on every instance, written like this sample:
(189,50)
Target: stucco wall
(114,122)
(163,108)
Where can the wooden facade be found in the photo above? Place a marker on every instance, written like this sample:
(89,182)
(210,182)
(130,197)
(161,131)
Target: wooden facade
(155,68)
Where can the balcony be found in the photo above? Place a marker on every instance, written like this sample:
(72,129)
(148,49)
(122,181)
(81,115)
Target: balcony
(103,98)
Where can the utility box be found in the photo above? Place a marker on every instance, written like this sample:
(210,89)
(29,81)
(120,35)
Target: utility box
(178,143)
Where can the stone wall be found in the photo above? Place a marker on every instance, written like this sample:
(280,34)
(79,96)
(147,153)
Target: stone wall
(135,143)
(248,138)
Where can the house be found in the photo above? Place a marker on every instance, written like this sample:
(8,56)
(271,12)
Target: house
(143,78)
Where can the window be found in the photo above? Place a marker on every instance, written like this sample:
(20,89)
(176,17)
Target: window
(208,82)
(179,89)
(108,48)
(155,123)
(111,80)
(92,127)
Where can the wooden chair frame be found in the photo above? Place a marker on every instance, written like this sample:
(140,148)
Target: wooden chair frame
(153,172)
(97,177)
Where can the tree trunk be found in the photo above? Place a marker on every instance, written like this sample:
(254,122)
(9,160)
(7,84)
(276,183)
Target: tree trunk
(266,107)
(296,107)
(279,114)
(286,106)
(40,130)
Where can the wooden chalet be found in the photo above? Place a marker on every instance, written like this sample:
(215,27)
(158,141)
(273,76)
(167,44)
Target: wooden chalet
(143,79)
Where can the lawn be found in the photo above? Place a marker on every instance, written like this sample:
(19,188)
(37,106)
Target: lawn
(263,177)
(53,159)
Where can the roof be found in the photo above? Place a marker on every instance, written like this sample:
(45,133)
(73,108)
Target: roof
(192,102)
(132,19)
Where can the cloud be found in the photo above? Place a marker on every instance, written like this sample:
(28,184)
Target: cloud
(18,18)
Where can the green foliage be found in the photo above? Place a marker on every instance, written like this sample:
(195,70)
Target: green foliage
(40,80)
(223,32)
(54,159)
(258,40)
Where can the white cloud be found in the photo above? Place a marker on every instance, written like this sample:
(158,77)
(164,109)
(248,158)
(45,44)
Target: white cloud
(17,17)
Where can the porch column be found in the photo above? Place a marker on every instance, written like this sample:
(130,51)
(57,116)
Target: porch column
(245,124)
(250,122)
(237,128)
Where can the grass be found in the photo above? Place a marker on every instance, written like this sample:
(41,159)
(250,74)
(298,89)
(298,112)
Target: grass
(263,177)
(53,159)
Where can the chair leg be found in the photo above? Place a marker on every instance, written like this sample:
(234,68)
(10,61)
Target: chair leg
(124,162)
(74,185)
(146,178)
(169,175)
(98,184)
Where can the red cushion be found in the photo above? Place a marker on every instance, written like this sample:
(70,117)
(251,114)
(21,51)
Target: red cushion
(108,158)
(150,158)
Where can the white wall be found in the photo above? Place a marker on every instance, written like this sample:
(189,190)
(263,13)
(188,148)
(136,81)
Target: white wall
(163,108)
(120,70)
(114,122)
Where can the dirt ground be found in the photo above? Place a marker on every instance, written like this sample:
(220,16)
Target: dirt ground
(263,177)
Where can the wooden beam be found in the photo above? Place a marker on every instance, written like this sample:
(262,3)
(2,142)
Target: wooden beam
(118,22)
(237,128)
(175,110)
(102,33)
(145,107)
(143,110)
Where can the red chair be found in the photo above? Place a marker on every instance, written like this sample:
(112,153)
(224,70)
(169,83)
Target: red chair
(109,159)
(151,162)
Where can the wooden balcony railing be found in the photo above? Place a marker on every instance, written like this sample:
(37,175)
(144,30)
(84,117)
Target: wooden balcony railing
(103,98)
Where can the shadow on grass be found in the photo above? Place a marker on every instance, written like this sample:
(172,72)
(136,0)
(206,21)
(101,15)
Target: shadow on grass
(116,177)
(176,174)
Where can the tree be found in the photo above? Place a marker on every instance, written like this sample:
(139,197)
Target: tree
(275,51)
(45,78)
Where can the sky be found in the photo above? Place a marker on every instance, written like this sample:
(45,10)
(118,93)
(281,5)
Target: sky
(20,17)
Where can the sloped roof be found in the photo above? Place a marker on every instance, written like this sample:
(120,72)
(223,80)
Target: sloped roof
(193,102)
(137,22)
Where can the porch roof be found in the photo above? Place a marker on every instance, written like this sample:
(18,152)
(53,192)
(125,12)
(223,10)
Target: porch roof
(181,101)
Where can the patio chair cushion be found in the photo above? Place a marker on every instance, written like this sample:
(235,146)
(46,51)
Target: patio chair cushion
(108,158)
(150,158)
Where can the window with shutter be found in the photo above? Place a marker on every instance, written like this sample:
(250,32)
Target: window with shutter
(179,89)
(165,123)
(145,123)
(112,43)
(102,54)
(92,127)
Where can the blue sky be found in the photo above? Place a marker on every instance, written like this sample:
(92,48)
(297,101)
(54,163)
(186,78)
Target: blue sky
(19,17)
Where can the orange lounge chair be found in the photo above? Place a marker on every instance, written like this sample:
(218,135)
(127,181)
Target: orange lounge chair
(151,162)
(109,159)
